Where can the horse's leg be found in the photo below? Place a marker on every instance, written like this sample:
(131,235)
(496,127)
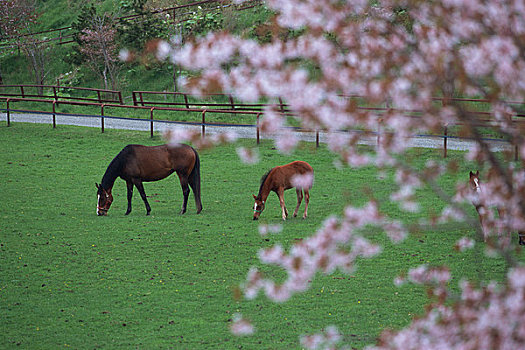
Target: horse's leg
(306,201)
(280,194)
(196,193)
(481,213)
(504,234)
(299,199)
(129,184)
(185,191)
(140,187)
(521,237)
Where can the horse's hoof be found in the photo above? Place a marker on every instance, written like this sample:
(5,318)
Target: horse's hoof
(147,213)
(127,213)
(182,212)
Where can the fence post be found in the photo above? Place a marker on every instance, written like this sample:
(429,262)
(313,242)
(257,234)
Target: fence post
(445,140)
(8,113)
(203,133)
(281,105)
(134,98)
(102,118)
(186,101)
(55,92)
(258,129)
(444,103)
(120,97)
(141,99)
(22,91)
(151,121)
(317,138)
(378,132)
(98,94)
(54,114)
(231,102)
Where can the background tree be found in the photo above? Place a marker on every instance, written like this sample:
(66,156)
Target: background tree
(16,18)
(98,48)
(136,31)
(403,54)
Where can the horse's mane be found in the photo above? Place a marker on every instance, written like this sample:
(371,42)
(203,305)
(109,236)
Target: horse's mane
(115,167)
(263,179)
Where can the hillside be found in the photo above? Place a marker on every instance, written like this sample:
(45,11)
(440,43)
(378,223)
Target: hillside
(60,60)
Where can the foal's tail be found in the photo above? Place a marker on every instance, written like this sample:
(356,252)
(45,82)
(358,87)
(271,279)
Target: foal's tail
(195,181)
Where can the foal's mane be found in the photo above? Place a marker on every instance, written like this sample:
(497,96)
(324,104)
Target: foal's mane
(263,179)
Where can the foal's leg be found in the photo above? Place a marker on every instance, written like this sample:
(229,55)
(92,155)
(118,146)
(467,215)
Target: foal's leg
(140,187)
(185,191)
(299,199)
(129,184)
(280,194)
(306,201)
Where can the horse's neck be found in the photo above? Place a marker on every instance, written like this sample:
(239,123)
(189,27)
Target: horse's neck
(111,174)
(265,189)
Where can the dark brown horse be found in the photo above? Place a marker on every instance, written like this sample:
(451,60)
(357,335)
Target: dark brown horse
(475,186)
(297,174)
(136,164)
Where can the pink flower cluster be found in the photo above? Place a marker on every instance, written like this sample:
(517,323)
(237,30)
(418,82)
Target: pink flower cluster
(336,245)
(399,55)
(487,318)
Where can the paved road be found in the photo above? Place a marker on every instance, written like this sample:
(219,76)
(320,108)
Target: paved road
(241,132)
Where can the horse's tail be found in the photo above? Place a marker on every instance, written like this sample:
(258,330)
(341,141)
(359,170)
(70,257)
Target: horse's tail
(195,181)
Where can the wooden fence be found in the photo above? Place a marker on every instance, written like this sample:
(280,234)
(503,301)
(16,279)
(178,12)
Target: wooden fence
(202,108)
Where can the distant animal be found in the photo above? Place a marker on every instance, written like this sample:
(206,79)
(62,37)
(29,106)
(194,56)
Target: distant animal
(475,185)
(137,163)
(296,174)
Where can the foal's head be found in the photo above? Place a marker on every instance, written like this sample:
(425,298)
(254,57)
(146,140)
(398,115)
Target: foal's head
(258,207)
(104,200)
(474,182)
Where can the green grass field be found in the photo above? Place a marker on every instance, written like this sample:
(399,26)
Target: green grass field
(70,279)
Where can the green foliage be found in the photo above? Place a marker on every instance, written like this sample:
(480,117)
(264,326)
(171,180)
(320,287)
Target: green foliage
(202,22)
(135,32)
(70,279)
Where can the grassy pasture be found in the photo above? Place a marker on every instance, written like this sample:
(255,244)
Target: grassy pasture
(70,279)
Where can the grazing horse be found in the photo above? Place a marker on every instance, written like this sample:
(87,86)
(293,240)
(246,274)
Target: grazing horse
(475,185)
(297,174)
(137,163)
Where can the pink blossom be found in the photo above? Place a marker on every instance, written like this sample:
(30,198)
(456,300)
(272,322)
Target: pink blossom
(286,142)
(163,50)
(464,244)
(248,156)
(265,229)
(303,180)
(241,326)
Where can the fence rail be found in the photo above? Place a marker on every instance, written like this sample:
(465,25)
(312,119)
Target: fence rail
(139,99)
(57,93)
(201,117)
(200,121)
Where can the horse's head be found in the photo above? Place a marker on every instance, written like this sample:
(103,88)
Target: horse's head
(258,207)
(474,182)
(104,200)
